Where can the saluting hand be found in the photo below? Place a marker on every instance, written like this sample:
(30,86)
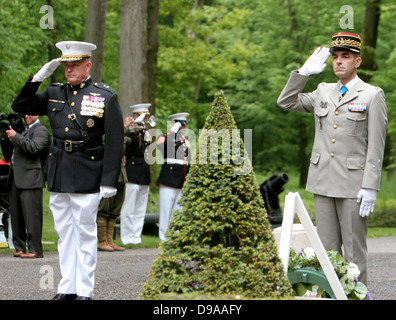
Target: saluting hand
(175,128)
(316,63)
(47,70)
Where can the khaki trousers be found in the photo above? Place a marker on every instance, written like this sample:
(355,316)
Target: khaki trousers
(341,228)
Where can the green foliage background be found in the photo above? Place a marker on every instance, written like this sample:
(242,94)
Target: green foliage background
(244,47)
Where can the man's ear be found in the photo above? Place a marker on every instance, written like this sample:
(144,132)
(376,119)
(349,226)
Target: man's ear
(358,62)
(89,65)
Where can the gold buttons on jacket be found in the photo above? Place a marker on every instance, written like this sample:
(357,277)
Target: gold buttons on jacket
(66,129)
(333,140)
(337,113)
(75,92)
(335,126)
(332,155)
(73,104)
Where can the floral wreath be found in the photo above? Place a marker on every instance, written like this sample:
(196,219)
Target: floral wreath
(347,273)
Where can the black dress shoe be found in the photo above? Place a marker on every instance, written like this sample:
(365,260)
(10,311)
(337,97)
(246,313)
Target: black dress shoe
(83,298)
(65,296)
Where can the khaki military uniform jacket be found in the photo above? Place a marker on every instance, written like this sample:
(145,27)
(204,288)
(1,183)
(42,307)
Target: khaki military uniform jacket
(350,135)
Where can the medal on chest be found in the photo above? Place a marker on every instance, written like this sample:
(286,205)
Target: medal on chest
(357,107)
(92,106)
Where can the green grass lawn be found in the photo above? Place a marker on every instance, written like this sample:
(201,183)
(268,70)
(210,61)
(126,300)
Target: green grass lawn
(382,222)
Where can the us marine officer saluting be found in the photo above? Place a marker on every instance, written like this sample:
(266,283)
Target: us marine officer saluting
(81,168)
(346,161)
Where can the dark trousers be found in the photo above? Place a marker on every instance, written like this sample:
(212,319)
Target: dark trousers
(26,209)
(110,208)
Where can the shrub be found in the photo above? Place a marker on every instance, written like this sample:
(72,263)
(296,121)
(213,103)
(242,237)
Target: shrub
(221,242)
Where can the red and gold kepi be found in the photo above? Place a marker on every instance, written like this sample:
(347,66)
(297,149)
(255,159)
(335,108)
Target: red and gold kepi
(346,41)
(75,50)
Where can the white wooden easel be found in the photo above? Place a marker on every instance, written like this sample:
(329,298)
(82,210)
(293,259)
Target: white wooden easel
(294,204)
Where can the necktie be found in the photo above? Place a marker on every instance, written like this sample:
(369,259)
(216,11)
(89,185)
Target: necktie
(343,90)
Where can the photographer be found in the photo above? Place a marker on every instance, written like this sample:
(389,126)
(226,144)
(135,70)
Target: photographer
(26,181)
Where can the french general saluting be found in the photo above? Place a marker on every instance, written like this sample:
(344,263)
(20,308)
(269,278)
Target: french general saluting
(346,160)
(84,158)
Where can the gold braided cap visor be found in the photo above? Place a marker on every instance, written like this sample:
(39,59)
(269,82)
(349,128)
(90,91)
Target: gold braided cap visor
(74,57)
(346,41)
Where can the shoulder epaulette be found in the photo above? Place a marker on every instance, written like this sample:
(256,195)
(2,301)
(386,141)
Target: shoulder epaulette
(57,84)
(104,87)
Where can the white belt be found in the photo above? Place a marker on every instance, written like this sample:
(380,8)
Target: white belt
(176,161)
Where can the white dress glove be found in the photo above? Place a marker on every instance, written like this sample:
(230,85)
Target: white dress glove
(107,192)
(47,70)
(316,63)
(175,127)
(366,198)
(140,118)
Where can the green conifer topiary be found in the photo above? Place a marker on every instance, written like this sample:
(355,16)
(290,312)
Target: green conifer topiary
(221,242)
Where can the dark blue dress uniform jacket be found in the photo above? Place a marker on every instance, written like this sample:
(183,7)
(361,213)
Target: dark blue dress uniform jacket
(81,169)
(137,169)
(173,175)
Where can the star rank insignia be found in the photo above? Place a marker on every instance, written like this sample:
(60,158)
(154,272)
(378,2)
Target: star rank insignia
(323,105)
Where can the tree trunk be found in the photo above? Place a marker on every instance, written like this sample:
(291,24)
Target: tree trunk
(369,37)
(152,52)
(95,27)
(133,54)
(303,134)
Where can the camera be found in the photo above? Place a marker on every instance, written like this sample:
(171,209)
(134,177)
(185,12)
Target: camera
(14,120)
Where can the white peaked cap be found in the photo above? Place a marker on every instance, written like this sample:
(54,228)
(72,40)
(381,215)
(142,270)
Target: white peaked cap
(179,116)
(75,50)
(143,107)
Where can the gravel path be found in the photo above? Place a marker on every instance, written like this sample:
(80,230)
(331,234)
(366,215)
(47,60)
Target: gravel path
(382,268)
(121,275)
